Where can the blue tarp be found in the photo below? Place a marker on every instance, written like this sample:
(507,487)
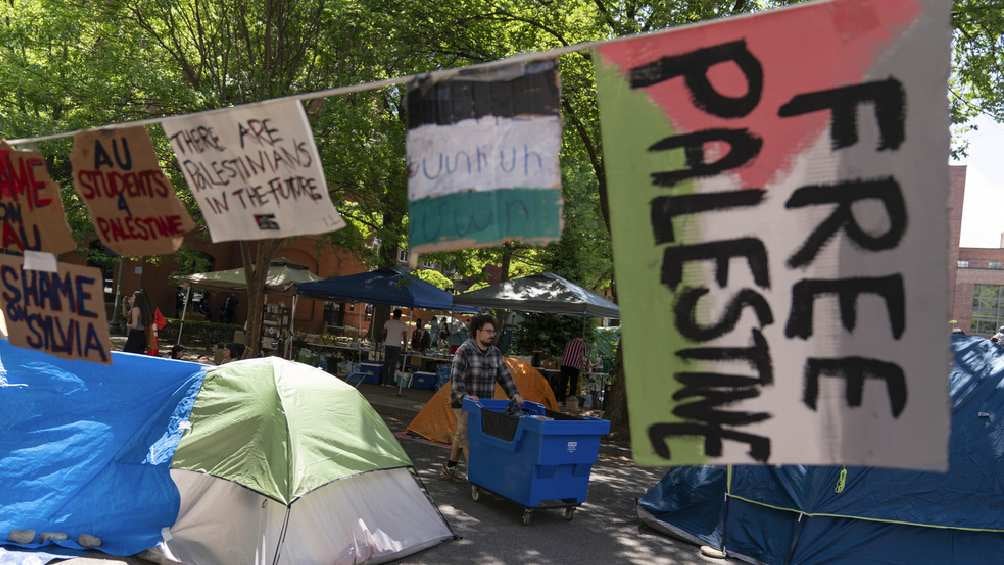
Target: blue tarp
(86,448)
(382,286)
(937,513)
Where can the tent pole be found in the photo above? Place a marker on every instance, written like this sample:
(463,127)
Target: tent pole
(292,317)
(184,309)
(118,296)
(725,508)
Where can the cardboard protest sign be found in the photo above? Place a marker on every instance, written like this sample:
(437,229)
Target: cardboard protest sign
(132,204)
(777,192)
(254,171)
(61,313)
(31,209)
(483,158)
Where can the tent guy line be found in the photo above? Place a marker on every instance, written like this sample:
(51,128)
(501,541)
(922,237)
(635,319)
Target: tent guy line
(384,83)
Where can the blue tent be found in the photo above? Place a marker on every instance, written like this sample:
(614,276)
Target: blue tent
(381,286)
(801,515)
(85,449)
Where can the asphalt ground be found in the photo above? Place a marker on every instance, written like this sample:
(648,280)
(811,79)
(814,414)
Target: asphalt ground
(603,530)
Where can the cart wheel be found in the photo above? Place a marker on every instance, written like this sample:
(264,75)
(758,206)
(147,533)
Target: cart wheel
(475,493)
(569,512)
(527,516)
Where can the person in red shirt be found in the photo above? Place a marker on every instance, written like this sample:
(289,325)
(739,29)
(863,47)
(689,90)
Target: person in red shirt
(573,361)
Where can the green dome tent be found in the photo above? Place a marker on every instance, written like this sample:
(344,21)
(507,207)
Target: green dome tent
(283,463)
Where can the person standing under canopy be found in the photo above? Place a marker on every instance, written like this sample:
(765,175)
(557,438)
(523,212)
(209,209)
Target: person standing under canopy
(420,339)
(395,335)
(573,361)
(138,319)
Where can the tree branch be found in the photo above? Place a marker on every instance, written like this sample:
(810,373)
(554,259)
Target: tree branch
(595,159)
(614,27)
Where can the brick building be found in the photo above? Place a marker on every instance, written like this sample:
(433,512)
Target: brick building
(976,275)
(318,256)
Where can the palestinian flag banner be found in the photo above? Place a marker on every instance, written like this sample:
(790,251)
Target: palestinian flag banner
(778,187)
(483,157)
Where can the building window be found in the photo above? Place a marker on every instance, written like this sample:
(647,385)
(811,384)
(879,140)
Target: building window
(963,264)
(988,309)
(994,265)
(402,256)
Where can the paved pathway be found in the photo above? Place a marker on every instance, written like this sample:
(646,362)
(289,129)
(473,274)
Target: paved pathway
(604,530)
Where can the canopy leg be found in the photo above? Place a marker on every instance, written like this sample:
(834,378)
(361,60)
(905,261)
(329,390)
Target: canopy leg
(184,310)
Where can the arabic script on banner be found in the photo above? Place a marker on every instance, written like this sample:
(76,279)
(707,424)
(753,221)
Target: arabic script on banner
(483,158)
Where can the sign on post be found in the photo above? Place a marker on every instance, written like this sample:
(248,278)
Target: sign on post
(132,204)
(777,191)
(61,313)
(483,158)
(254,171)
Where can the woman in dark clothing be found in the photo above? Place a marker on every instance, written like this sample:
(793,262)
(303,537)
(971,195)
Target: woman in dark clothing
(139,318)
(420,339)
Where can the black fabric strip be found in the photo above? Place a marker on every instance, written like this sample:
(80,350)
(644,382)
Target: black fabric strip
(478,93)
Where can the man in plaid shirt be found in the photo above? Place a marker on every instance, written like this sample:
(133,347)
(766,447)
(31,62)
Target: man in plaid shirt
(477,366)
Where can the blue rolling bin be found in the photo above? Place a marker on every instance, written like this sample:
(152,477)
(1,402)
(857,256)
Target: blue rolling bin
(538,460)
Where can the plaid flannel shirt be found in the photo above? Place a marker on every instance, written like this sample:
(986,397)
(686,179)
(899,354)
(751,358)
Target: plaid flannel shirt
(475,372)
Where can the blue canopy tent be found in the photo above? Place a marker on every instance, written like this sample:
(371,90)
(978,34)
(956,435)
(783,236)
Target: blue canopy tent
(824,514)
(382,286)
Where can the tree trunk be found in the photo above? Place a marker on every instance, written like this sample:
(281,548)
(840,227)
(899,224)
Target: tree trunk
(380,314)
(507,251)
(617,408)
(502,313)
(388,258)
(256,265)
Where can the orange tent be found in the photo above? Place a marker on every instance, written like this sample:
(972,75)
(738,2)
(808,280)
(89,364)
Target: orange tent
(436,421)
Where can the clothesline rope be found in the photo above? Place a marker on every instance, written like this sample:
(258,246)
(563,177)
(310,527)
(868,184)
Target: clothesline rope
(384,83)
(340,91)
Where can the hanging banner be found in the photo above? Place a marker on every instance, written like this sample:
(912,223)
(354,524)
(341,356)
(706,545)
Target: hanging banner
(132,204)
(32,209)
(60,313)
(254,171)
(483,158)
(777,191)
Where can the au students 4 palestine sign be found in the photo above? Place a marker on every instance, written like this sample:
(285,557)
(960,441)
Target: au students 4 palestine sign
(131,202)
(778,187)
(483,158)
(254,171)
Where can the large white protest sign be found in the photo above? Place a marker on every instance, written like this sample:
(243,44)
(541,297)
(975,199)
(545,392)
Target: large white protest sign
(254,171)
(778,189)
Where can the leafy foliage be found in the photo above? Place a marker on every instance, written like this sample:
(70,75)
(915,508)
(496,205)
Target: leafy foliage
(70,64)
